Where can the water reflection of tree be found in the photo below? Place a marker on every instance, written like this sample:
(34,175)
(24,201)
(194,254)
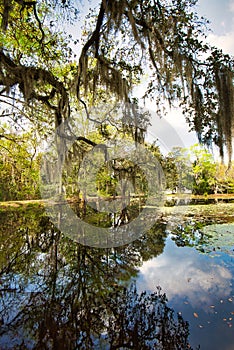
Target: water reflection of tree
(57,294)
(144,321)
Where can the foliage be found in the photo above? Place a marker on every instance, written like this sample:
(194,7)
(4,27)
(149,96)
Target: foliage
(204,171)
(42,83)
(196,170)
(19,167)
(121,41)
(225,178)
(178,170)
(190,169)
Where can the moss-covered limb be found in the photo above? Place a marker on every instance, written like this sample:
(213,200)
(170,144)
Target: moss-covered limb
(92,41)
(127,37)
(175,55)
(31,79)
(224,82)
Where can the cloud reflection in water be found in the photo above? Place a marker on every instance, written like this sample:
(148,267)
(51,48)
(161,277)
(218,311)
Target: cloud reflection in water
(183,272)
(200,287)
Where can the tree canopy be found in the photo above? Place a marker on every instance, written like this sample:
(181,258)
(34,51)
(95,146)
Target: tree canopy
(122,41)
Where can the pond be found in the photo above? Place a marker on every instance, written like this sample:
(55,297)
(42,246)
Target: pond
(172,288)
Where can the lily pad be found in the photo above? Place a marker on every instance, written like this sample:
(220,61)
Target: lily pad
(220,238)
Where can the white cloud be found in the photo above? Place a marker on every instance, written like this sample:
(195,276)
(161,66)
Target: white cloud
(224,42)
(231,6)
(171,130)
(223,31)
(186,274)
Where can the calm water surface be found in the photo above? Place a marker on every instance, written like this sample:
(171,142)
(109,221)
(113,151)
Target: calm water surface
(57,294)
(198,286)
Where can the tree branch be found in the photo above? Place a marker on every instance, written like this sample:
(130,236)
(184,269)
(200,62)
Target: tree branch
(94,39)
(27,77)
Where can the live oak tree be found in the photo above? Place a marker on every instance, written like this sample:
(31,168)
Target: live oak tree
(125,40)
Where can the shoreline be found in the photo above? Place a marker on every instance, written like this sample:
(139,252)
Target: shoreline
(22,203)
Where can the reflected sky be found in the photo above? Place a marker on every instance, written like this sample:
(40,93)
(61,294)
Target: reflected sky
(200,287)
(197,285)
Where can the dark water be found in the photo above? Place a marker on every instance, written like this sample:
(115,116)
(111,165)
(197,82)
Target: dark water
(170,289)
(198,286)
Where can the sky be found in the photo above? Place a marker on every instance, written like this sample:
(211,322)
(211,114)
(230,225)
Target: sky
(220,13)
(172,130)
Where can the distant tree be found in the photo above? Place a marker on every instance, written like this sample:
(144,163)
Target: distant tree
(19,167)
(178,170)
(225,178)
(204,171)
